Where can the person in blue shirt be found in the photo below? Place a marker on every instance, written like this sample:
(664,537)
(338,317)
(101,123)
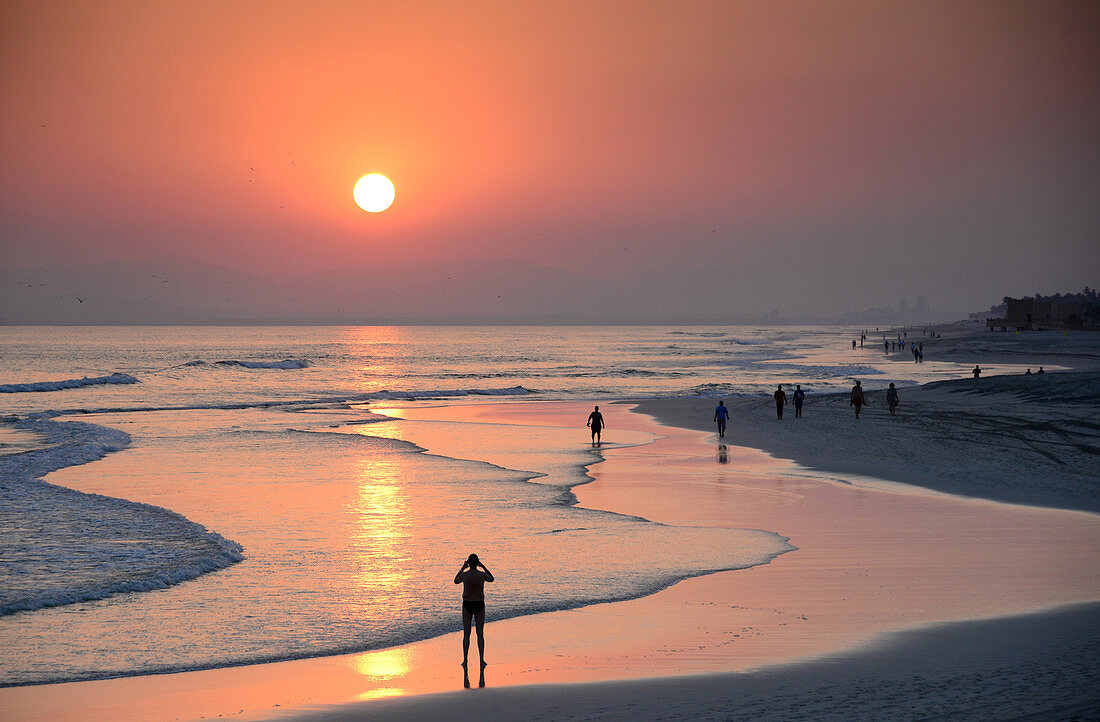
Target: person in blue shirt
(799,399)
(721,413)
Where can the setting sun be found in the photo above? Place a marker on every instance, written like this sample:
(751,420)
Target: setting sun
(374,193)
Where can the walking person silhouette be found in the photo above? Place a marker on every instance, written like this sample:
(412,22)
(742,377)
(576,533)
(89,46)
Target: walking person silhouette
(857,399)
(780,400)
(721,413)
(799,399)
(595,422)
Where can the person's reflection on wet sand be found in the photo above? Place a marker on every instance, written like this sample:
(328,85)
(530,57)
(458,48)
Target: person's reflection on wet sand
(723,454)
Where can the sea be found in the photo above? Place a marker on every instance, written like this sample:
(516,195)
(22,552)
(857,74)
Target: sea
(178,498)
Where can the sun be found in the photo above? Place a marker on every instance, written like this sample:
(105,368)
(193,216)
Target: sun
(374,193)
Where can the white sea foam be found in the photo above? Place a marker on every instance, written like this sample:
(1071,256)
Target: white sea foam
(98,545)
(115,378)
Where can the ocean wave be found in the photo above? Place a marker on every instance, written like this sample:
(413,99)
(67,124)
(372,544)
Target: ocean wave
(440,394)
(624,373)
(715,390)
(385,395)
(76,547)
(115,378)
(842,371)
(290,363)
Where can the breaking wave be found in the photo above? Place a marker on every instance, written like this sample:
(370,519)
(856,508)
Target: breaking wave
(115,378)
(99,545)
(290,363)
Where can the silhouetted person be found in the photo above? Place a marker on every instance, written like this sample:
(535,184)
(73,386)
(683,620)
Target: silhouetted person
(595,422)
(473,604)
(799,399)
(977,371)
(780,401)
(853,343)
(887,346)
(1040,371)
(1027,373)
(721,413)
(857,399)
(892,399)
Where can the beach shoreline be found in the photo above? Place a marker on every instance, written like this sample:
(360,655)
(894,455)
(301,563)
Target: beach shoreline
(696,630)
(1025,439)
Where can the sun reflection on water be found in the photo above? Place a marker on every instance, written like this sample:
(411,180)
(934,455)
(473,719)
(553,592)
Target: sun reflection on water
(380,529)
(382,692)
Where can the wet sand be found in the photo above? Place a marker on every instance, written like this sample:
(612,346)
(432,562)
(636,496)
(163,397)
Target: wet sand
(872,559)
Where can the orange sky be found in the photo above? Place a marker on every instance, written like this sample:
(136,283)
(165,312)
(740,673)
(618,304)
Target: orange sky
(627,134)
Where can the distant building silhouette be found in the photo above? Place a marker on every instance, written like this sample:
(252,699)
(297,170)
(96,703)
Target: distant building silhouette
(1037,313)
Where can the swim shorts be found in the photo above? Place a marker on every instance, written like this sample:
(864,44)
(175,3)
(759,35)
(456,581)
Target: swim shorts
(473,607)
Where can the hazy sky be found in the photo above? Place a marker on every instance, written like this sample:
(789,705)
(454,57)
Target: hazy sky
(621,157)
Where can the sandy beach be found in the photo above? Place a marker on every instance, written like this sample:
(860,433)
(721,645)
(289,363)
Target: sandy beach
(899,601)
(1013,438)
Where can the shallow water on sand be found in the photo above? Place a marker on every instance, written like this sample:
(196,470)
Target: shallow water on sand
(350,539)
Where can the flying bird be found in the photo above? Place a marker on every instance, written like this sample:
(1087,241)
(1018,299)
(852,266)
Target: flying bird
(78,298)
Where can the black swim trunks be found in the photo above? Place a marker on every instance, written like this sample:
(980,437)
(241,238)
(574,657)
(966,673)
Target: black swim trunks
(473,607)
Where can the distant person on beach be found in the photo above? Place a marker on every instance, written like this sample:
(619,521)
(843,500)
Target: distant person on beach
(857,399)
(1027,373)
(892,399)
(780,401)
(887,345)
(595,422)
(473,604)
(799,399)
(853,343)
(721,413)
(1040,371)
(977,371)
